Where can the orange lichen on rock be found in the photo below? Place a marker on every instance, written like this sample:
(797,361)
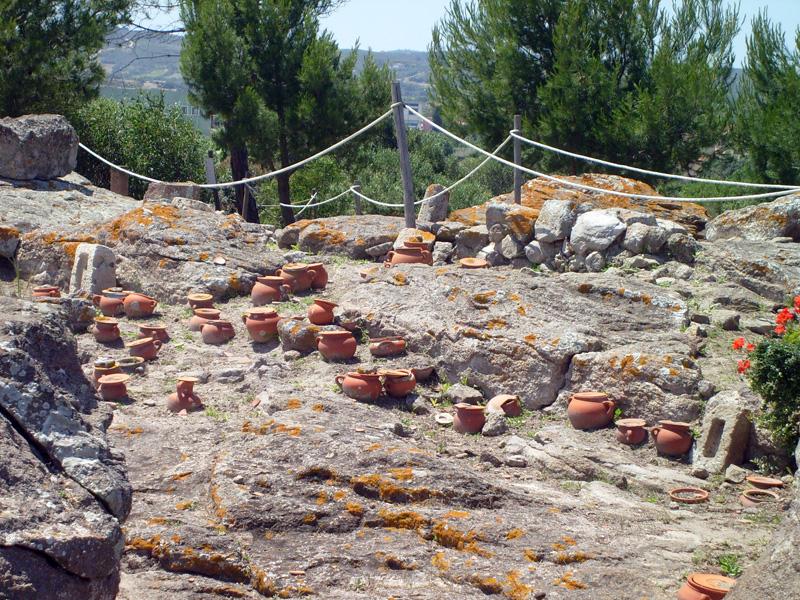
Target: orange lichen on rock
(294,404)
(515,589)
(400,279)
(456,514)
(531,555)
(567,558)
(439,561)
(484,297)
(569,582)
(497,323)
(488,585)
(448,536)
(403,519)
(184,505)
(322,498)
(318,407)
(339,495)
(325,236)
(514,534)
(216,500)
(375,486)
(354,508)
(402,473)
(309,518)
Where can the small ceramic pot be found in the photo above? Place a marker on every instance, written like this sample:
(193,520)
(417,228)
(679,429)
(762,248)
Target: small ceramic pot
(402,256)
(320,276)
(106,330)
(399,383)
(590,410)
(184,398)
(321,312)
(201,317)
(755,496)
(269,289)
(296,276)
(111,304)
(261,323)
(705,586)
(360,386)
(146,348)
(157,332)
(46,291)
(387,346)
(336,345)
(473,263)
(631,431)
(129,364)
(105,366)
(505,404)
(200,300)
(138,305)
(672,438)
(764,483)
(217,332)
(469,418)
(112,387)
(688,495)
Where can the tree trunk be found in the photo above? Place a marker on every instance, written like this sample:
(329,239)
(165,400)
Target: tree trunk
(239,171)
(284,197)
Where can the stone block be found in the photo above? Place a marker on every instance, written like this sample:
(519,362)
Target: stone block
(37,147)
(94,269)
(435,210)
(170,191)
(725,432)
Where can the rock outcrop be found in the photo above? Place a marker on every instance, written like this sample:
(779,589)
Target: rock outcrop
(761,222)
(37,147)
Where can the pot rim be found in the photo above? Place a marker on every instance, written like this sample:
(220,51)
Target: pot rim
(114,378)
(631,422)
(140,342)
(760,496)
(358,375)
(396,373)
(114,295)
(590,396)
(103,320)
(155,326)
(675,424)
(316,265)
(295,267)
(325,303)
(409,250)
(269,279)
(469,407)
(187,379)
(130,361)
(391,338)
(105,363)
(699,495)
(473,263)
(200,296)
(711,582)
(761,481)
(219,323)
(199,312)
(143,295)
(265,311)
(335,333)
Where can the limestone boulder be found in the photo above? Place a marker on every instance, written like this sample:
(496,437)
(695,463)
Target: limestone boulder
(171,191)
(595,230)
(644,239)
(37,147)
(470,241)
(761,222)
(725,431)
(94,269)
(515,220)
(555,220)
(434,210)
(344,235)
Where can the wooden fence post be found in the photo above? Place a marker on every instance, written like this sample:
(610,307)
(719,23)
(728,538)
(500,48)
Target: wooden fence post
(356,198)
(405,160)
(211,177)
(119,182)
(517,160)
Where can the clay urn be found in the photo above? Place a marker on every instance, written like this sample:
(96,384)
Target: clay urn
(217,332)
(672,438)
(320,276)
(336,345)
(106,330)
(473,263)
(705,586)
(469,418)
(138,305)
(631,431)
(200,300)
(321,312)
(110,303)
(46,291)
(402,256)
(146,348)
(296,276)
(129,364)
(104,366)
(590,410)
(360,386)
(755,496)
(201,317)
(184,398)
(387,346)
(261,323)
(399,383)
(112,387)
(506,404)
(269,289)
(157,331)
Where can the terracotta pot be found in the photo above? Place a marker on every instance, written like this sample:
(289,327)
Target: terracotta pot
(261,323)
(360,386)
(111,304)
(106,330)
(104,367)
(469,418)
(321,312)
(146,348)
(673,438)
(631,431)
(507,404)
(46,291)
(399,383)
(755,496)
(268,290)
(112,387)
(296,276)
(402,256)
(155,331)
(688,495)
(387,346)
(705,586)
(138,305)
(129,364)
(336,345)
(590,410)
(200,300)
(217,332)
(201,317)
(473,263)
(764,483)
(320,276)
(184,398)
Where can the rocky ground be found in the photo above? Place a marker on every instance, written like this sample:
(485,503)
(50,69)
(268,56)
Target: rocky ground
(282,486)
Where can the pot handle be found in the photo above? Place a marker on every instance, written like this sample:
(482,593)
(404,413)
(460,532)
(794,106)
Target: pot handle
(285,290)
(610,406)
(339,379)
(654,431)
(244,318)
(389,257)
(157,344)
(96,299)
(279,273)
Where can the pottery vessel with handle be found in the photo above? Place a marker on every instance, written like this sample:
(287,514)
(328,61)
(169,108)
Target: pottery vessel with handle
(705,586)
(112,387)
(590,410)
(106,330)
(269,289)
(111,304)
(402,256)
(184,398)
(631,431)
(399,383)
(321,312)
(387,346)
(200,300)
(365,387)
(201,317)
(296,276)
(155,331)
(217,332)
(672,438)
(138,305)
(261,323)
(146,348)
(46,291)
(469,418)
(320,276)
(336,345)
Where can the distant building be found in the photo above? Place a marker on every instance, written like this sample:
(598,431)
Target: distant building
(412,120)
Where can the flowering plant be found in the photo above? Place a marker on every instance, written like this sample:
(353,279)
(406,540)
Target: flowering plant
(773,367)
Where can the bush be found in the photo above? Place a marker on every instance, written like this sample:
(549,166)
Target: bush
(143,135)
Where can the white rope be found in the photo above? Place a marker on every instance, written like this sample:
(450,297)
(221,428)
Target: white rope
(591,188)
(292,167)
(607,163)
(310,200)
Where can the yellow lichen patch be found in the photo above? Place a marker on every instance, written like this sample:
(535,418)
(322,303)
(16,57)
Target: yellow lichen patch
(354,508)
(262,583)
(402,473)
(441,271)
(484,297)
(400,279)
(475,334)
(185,505)
(497,324)
(530,339)
(439,561)
(531,555)
(521,311)
(674,372)
(668,360)
(318,407)
(395,562)
(569,541)
(488,585)
(451,537)
(339,495)
(454,292)
(322,498)
(569,582)
(325,236)
(216,500)
(203,256)
(372,447)
(402,520)
(8,232)
(156,521)
(309,518)
(566,558)
(515,589)
(514,297)
(514,534)
(293,404)
(456,514)
(375,486)
(648,300)
(555,342)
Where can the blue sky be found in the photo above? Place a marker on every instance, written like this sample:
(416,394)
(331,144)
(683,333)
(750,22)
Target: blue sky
(407,24)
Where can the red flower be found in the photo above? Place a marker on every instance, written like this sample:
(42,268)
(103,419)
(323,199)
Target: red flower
(780,329)
(738,343)
(743,365)
(784,316)
(797,303)
(750,347)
